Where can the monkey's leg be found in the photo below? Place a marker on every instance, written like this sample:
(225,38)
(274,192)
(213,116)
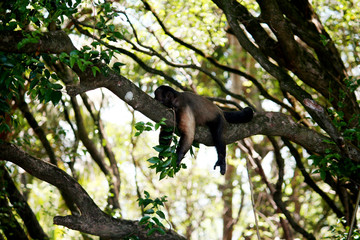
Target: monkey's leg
(216,128)
(186,125)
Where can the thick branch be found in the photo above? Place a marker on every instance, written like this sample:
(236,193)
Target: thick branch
(92,219)
(21,206)
(273,124)
(287,84)
(24,108)
(50,42)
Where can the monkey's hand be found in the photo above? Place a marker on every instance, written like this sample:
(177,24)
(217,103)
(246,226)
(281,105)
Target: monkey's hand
(222,165)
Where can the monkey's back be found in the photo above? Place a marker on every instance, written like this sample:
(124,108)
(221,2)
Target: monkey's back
(203,109)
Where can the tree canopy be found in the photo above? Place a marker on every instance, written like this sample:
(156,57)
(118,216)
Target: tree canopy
(75,75)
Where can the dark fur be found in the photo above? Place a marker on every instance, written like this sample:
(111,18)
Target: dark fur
(193,110)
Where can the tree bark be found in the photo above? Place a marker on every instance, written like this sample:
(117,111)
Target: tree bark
(92,220)
(21,206)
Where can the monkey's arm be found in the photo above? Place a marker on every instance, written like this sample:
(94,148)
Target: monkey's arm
(186,125)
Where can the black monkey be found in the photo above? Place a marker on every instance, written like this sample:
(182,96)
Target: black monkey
(193,110)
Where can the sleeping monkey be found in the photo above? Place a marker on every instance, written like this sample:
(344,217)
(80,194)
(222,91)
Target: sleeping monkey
(193,110)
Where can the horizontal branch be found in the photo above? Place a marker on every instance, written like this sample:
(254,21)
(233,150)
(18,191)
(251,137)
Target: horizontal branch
(267,123)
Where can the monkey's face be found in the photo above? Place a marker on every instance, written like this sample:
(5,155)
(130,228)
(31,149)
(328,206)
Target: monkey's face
(164,96)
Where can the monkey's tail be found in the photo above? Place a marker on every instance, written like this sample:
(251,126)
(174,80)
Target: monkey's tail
(242,116)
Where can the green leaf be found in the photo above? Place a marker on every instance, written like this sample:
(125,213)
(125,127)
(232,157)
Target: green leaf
(56,86)
(151,231)
(154,160)
(111,27)
(149,211)
(95,53)
(144,219)
(47,73)
(157,221)
(322,174)
(146,202)
(56,97)
(118,35)
(163,174)
(147,194)
(139,125)
(94,70)
(160,214)
(63,56)
(72,61)
(171,173)
(166,163)
(117,66)
(33,83)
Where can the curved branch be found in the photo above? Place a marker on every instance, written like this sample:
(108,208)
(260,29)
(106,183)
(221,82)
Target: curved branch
(92,220)
(287,84)
(21,206)
(267,123)
(24,108)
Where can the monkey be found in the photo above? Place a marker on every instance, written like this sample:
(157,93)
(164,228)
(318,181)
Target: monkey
(192,110)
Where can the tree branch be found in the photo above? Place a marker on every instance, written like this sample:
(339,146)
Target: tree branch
(21,206)
(287,84)
(92,220)
(114,177)
(268,123)
(24,108)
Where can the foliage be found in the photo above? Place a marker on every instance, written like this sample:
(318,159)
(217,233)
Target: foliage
(333,162)
(338,233)
(189,45)
(168,166)
(151,220)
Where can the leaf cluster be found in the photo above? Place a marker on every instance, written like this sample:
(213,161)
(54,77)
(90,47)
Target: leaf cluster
(152,213)
(333,162)
(338,232)
(166,162)
(23,72)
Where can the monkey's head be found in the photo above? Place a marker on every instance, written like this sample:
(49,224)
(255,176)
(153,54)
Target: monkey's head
(166,95)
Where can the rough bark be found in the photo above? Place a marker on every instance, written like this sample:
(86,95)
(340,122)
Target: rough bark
(267,123)
(92,220)
(21,206)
